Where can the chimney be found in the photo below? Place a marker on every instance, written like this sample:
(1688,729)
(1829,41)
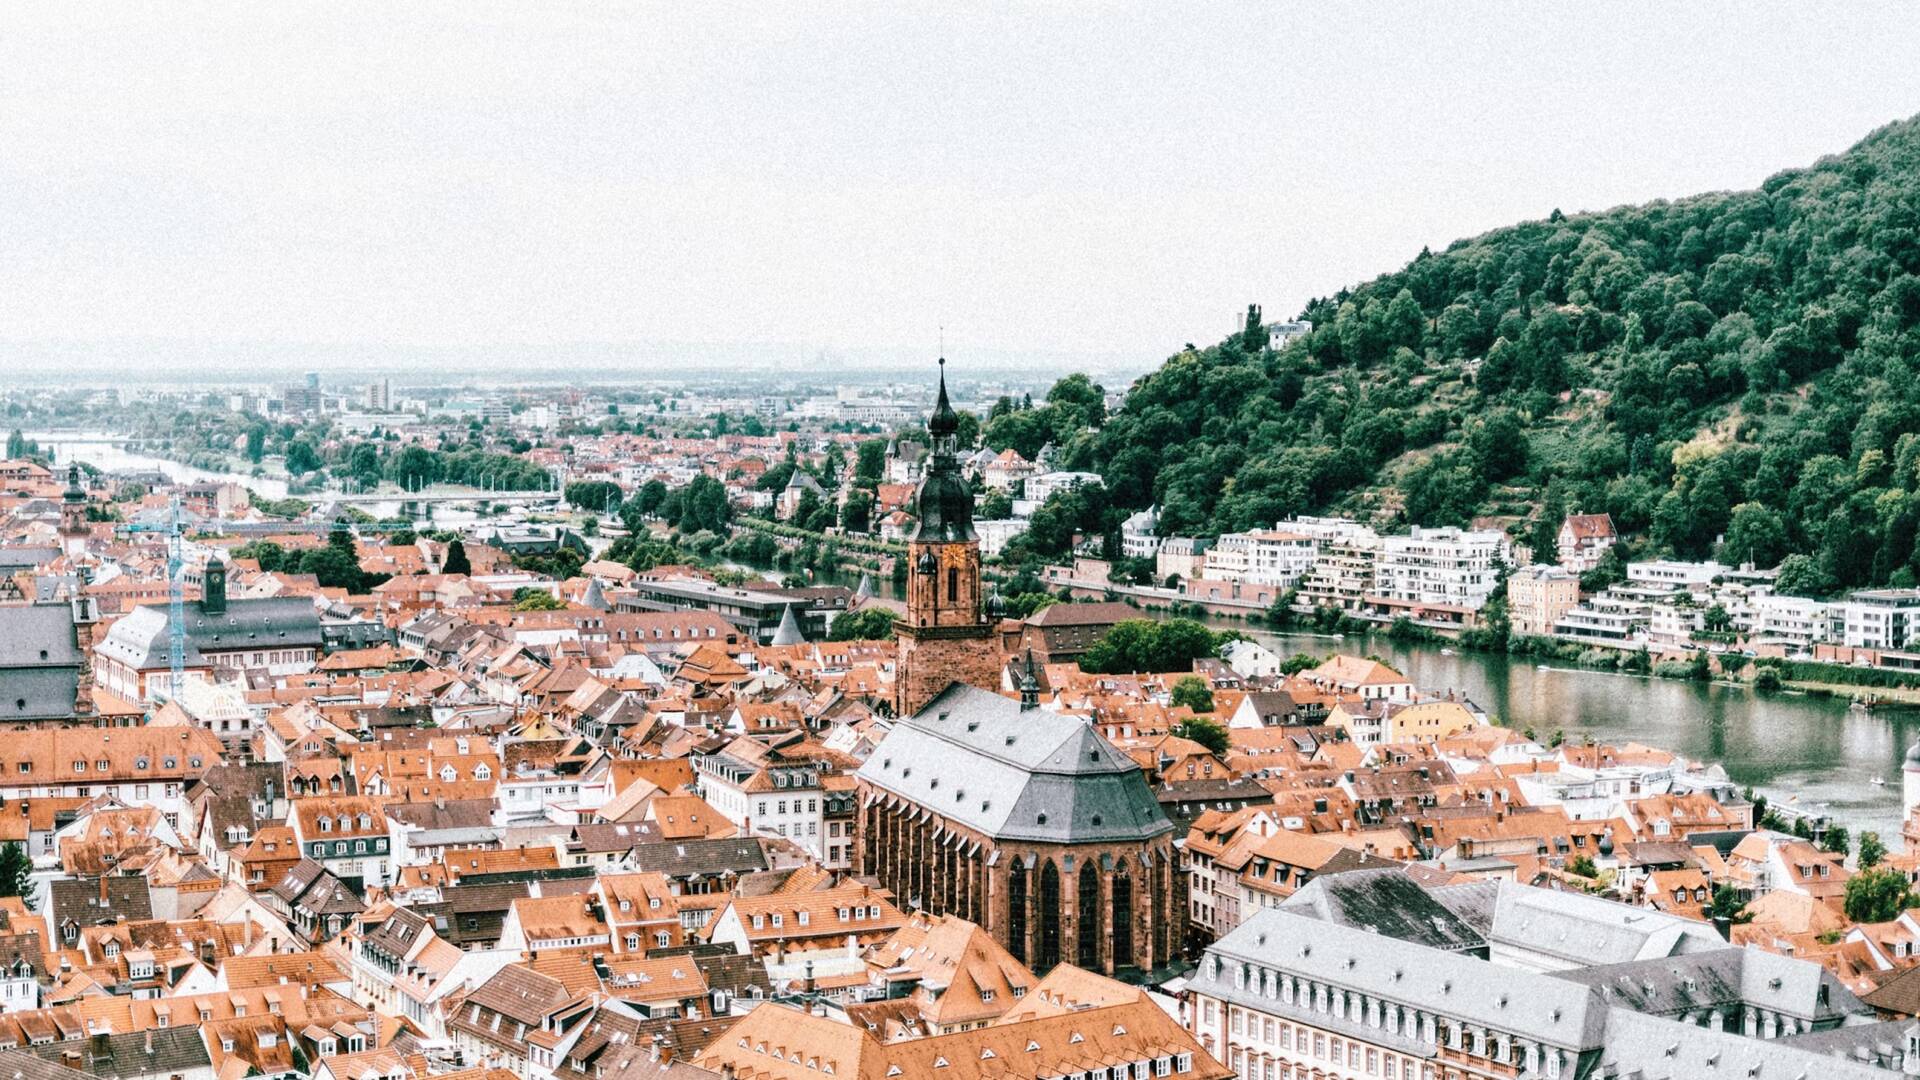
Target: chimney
(149,1046)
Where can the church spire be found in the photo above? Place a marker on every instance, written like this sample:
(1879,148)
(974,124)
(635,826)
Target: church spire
(944,503)
(944,424)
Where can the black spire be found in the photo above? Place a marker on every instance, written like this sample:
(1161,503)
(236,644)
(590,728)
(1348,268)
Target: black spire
(945,502)
(945,423)
(1029,687)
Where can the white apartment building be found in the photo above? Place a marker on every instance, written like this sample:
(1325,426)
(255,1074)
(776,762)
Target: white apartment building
(1880,619)
(763,791)
(1607,619)
(1261,558)
(1342,572)
(996,534)
(1792,621)
(1040,488)
(1448,567)
(1692,576)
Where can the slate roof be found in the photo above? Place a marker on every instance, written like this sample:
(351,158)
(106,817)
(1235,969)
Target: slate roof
(93,901)
(1652,1048)
(978,759)
(1726,979)
(24,557)
(682,858)
(39,662)
(1386,901)
(176,1051)
(1883,1043)
(1583,930)
(1533,1006)
(139,639)
(23,1065)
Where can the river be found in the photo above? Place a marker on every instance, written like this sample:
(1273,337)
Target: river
(1786,745)
(89,447)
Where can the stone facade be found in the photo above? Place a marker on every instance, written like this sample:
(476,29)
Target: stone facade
(1102,907)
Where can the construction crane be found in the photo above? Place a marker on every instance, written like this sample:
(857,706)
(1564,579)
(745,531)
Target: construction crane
(174,529)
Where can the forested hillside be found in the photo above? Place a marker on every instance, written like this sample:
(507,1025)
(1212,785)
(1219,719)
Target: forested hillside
(1735,364)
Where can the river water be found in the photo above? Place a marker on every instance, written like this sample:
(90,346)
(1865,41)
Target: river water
(67,446)
(1814,751)
(87,447)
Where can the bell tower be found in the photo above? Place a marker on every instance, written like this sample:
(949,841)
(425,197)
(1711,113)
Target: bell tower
(73,513)
(947,635)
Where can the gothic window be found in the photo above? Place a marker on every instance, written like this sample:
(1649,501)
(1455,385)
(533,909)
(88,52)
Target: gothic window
(1162,889)
(1122,919)
(1049,917)
(953,584)
(1088,906)
(1017,912)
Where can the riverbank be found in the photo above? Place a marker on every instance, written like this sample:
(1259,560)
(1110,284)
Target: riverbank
(1807,749)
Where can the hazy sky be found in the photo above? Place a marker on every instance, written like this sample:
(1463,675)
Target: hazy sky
(1040,178)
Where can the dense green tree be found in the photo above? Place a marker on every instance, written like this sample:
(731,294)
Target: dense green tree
(1876,895)
(1193,692)
(593,494)
(301,458)
(15,869)
(1206,731)
(1730,369)
(1726,904)
(530,598)
(456,561)
(1143,645)
(870,463)
(1836,840)
(856,515)
(871,623)
(1872,851)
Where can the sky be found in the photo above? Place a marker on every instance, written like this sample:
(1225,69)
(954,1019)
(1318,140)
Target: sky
(783,181)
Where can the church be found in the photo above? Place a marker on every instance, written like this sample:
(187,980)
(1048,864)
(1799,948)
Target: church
(1024,821)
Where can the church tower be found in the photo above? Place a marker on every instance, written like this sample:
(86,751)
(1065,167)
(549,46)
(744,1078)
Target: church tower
(947,636)
(73,514)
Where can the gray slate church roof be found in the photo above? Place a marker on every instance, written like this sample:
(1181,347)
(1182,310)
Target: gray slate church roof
(979,760)
(39,662)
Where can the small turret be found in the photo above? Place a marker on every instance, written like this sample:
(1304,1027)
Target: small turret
(788,632)
(594,598)
(1029,686)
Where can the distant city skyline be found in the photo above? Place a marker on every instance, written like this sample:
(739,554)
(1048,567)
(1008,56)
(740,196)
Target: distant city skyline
(1058,187)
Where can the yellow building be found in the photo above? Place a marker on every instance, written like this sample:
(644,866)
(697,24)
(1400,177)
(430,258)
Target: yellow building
(1538,595)
(1372,723)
